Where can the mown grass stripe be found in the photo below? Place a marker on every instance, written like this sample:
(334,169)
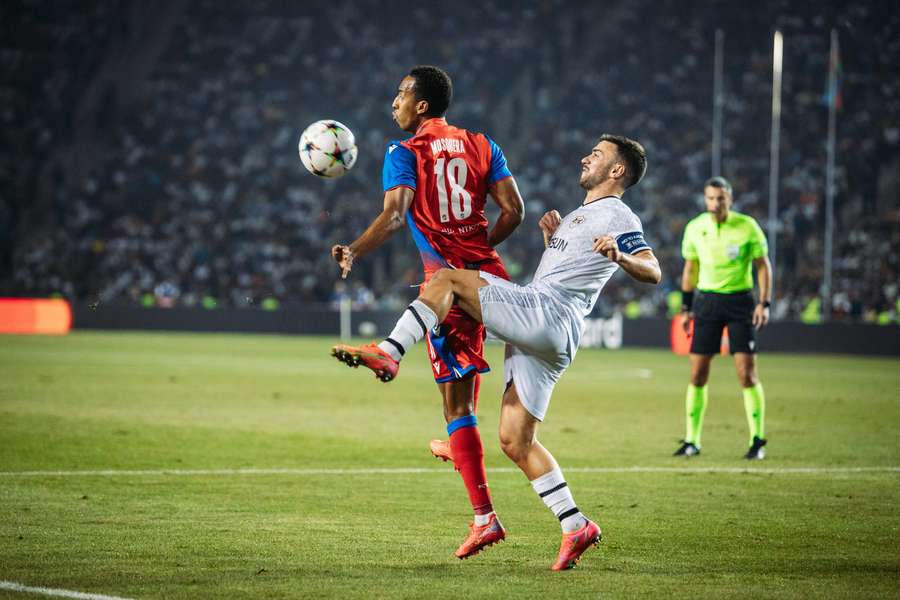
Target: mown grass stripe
(418,471)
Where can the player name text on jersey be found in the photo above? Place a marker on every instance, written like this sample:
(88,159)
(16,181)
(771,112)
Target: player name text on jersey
(452,145)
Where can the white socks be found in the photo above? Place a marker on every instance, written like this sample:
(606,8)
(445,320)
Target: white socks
(554,491)
(416,321)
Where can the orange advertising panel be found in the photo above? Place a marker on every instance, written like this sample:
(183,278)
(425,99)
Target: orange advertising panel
(35,316)
(681,341)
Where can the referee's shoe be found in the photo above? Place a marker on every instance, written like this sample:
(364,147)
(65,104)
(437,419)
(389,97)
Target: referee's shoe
(757,450)
(687,449)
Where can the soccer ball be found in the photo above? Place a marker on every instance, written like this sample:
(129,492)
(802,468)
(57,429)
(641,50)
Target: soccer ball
(327,149)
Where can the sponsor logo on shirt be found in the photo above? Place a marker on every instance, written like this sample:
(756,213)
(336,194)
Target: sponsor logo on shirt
(578,220)
(461,229)
(733,252)
(557,243)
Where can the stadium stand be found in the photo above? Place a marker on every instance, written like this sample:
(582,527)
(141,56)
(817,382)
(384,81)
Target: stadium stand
(150,156)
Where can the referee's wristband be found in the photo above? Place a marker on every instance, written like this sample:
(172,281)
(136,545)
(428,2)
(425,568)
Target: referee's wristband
(687,301)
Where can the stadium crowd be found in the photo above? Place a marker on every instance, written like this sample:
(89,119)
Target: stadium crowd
(199,197)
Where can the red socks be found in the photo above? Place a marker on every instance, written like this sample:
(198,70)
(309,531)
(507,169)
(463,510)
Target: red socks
(468,457)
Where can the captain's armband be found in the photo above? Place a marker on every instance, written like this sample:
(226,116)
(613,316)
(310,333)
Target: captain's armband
(632,242)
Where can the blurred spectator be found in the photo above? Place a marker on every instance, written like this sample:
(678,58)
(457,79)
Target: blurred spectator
(197,198)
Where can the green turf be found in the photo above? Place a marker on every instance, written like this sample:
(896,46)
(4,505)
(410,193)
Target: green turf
(128,401)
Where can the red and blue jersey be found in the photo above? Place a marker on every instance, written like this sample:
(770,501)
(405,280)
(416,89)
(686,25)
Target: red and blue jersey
(450,170)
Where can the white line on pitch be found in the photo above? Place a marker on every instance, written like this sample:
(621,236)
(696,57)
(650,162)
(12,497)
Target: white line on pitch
(12,586)
(416,471)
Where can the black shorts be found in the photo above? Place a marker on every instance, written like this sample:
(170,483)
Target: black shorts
(712,312)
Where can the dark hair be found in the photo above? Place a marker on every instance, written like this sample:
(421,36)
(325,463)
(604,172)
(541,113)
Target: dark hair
(433,85)
(718,182)
(632,154)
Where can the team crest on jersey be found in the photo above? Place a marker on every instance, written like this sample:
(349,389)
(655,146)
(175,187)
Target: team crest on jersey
(578,220)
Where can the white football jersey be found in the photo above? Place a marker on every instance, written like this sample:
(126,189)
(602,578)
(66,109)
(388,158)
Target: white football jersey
(571,267)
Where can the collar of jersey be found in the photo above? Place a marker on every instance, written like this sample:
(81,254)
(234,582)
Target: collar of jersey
(429,121)
(599,199)
(728,220)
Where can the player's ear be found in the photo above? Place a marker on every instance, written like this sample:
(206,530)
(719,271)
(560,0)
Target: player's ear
(618,171)
(421,107)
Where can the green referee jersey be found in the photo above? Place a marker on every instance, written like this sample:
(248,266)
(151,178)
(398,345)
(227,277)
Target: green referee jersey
(724,251)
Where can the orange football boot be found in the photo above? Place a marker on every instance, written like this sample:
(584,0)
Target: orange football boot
(574,544)
(368,355)
(441,449)
(481,537)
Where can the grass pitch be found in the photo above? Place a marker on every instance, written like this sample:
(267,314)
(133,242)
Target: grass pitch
(164,406)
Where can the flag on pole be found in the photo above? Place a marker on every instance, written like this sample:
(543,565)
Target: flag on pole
(832,95)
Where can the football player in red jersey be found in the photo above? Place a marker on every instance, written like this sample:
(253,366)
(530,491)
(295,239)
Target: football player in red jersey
(436,183)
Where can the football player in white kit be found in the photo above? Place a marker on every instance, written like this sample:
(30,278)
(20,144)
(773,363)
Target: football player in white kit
(541,322)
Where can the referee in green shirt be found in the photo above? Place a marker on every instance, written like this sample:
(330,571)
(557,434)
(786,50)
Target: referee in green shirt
(718,249)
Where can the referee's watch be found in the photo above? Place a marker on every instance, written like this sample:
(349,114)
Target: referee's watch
(766,304)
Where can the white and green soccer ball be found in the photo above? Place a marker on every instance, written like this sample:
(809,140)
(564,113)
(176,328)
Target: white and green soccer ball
(327,149)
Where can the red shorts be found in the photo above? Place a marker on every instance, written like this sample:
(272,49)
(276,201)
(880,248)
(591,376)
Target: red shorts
(456,346)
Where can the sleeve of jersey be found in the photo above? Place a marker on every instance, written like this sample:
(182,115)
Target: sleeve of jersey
(759,247)
(499,170)
(632,242)
(688,250)
(399,167)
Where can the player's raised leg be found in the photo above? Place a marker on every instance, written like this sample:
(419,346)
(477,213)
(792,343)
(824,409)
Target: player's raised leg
(444,288)
(518,439)
(454,285)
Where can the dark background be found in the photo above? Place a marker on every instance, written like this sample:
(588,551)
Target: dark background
(149,149)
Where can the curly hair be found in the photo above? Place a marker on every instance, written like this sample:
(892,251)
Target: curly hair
(433,85)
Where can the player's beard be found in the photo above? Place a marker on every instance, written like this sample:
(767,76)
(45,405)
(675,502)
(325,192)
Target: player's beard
(589,182)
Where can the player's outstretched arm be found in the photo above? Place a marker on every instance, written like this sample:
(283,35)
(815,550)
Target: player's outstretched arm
(642,266)
(392,218)
(512,209)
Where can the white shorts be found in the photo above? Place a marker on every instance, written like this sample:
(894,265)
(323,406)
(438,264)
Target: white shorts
(541,333)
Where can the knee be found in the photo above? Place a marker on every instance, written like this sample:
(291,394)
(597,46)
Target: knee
(700,376)
(441,277)
(748,379)
(514,447)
